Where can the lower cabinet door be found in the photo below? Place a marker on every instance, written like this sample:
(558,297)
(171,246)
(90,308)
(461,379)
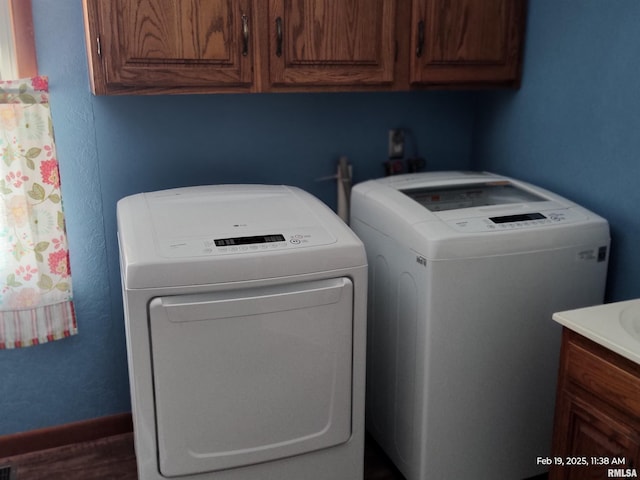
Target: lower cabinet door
(590,442)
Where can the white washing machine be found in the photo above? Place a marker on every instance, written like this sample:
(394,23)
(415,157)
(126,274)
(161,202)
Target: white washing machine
(466,270)
(246,326)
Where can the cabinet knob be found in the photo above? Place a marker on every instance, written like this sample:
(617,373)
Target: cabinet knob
(420,39)
(245,36)
(278,37)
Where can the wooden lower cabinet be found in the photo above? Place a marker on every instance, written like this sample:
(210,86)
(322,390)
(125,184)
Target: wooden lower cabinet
(597,418)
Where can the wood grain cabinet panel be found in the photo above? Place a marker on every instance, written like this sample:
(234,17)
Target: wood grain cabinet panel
(169,45)
(597,416)
(209,46)
(467,42)
(332,42)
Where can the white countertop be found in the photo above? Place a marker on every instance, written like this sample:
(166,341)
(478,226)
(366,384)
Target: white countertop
(603,325)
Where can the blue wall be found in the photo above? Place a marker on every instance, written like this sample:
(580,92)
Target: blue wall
(574,126)
(110,147)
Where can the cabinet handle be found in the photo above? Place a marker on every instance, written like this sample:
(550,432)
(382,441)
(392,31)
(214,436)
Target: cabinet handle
(420,39)
(245,36)
(278,37)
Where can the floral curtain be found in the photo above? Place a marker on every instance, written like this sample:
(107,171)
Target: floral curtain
(35,281)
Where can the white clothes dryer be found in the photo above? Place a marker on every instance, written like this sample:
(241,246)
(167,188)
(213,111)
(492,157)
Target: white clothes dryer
(466,270)
(246,326)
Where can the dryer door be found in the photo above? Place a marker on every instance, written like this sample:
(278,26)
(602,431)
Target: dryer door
(247,376)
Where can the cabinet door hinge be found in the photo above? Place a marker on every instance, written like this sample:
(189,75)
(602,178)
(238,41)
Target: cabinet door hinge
(98,46)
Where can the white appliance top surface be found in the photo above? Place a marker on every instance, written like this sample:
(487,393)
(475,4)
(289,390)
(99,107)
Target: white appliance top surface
(174,237)
(464,214)
(222,210)
(228,219)
(471,202)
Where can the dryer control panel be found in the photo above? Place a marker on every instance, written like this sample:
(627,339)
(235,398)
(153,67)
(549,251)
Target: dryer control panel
(246,243)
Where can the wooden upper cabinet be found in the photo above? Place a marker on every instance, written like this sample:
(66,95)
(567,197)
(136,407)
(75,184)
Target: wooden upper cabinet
(207,46)
(331,42)
(467,42)
(174,46)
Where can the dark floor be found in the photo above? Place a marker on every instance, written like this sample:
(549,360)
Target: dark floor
(113,458)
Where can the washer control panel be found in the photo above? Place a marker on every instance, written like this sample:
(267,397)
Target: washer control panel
(246,243)
(516,222)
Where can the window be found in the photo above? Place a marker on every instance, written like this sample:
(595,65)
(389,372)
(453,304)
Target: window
(17,45)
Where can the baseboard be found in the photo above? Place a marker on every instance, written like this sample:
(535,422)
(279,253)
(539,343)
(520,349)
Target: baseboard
(67,434)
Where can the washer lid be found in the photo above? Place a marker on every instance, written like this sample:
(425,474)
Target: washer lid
(447,215)
(483,194)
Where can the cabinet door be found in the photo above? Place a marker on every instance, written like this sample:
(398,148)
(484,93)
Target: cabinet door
(331,42)
(595,434)
(466,42)
(169,45)
(597,413)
